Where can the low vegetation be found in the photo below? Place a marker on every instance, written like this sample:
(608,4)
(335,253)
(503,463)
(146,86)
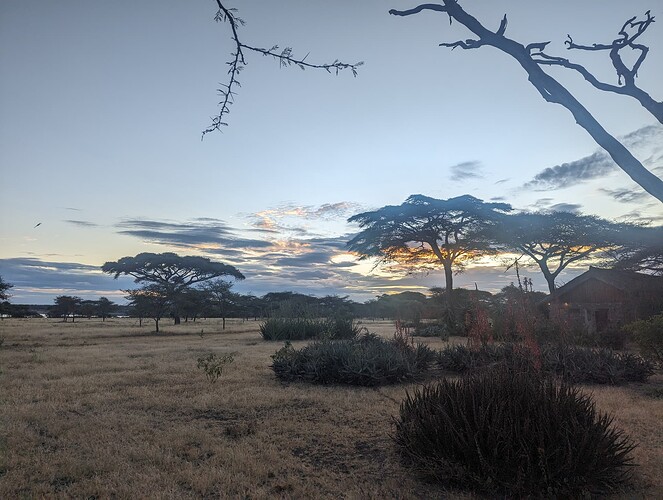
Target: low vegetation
(515,432)
(213,364)
(101,409)
(367,360)
(575,364)
(308,328)
(648,336)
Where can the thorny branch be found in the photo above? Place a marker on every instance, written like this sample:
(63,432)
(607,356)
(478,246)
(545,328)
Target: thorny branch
(237,63)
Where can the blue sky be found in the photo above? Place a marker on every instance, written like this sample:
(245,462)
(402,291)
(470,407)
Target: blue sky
(103,103)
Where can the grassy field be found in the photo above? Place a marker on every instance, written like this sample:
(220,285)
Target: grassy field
(96,409)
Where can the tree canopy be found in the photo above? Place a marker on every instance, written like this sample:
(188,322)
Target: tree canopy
(169,271)
(426,231)
(555,240)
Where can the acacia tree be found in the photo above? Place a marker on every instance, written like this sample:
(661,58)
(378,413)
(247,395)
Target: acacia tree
(65,306)
(531,58)
(105,307)
(4,289)
(150,301)
(425,231)
(171,272)
(641,250)
(221,297)
(555,240)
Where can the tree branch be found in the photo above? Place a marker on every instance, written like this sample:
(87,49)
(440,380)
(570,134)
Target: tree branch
(553,91)
(238,62)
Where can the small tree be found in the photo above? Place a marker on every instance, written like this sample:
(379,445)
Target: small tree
(4,295)
(65,306)
(105,307)
(4,289)
(170,272)
(223,300)
(150,301)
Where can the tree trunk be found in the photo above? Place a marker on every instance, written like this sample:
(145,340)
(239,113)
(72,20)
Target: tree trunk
(156,322)
(177,319)
(224,323)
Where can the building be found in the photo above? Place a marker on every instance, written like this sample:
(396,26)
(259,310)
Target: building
(600,299)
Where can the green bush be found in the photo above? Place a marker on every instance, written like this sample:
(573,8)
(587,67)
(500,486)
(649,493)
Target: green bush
(648,336)
(366,360)
(308,328)
(595,366)
(433,330)
(213,364)
(576,364)
(512,432)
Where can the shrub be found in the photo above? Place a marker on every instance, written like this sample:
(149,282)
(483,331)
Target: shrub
(514,432)
(308,328)
(595,366)
(433,330)
(648,336)
(576,364)
(213,364)
(366,360)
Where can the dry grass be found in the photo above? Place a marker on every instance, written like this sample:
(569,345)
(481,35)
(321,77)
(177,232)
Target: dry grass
(96,409)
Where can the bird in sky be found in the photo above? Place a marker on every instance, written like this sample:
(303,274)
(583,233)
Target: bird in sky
(38,224)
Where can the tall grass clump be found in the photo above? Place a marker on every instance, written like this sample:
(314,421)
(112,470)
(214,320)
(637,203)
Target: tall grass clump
(366,360)
(308,328)
(514,432)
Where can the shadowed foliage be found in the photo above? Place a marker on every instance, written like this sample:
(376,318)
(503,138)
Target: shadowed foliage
(555,240)
(512,430)
(367,360)
(170,272)
(427,232)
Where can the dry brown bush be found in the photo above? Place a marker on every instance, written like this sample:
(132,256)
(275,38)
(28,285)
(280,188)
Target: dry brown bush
(111,409)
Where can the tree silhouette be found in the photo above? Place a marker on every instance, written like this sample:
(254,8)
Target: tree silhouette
(641,250)
(555,240)
(171,272)
(149,301)
(531,58)
(423,232)
(4,289)
(65,306)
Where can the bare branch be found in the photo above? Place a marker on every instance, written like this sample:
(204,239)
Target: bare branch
(467,44)
(238,62)
(625,39)
(532,58)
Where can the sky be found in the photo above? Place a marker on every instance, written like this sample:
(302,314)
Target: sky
(102,105)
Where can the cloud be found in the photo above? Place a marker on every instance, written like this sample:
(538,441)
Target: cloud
(466,170)
(643,143)
(502,181)
(574,208)
(625,195)
(40,280)
(272,219)
(199,232)
(81,223)
(595,165)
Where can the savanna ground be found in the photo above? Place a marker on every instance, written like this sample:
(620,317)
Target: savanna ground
(110,409)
